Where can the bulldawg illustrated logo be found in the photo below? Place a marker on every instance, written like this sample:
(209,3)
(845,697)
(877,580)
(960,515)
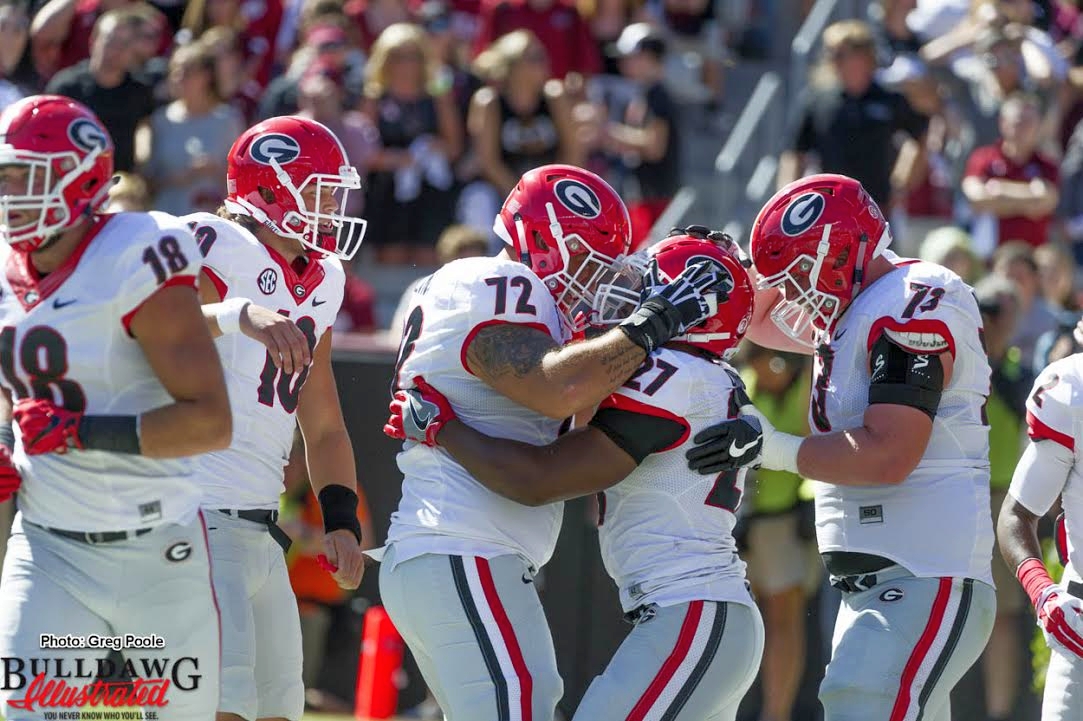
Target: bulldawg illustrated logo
(56,686)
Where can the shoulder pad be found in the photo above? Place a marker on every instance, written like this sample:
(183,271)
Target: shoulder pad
(917,342)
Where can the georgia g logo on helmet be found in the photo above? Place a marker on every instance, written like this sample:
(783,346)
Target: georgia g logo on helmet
(86,135)
(275,147)
(578,198)
(802,213)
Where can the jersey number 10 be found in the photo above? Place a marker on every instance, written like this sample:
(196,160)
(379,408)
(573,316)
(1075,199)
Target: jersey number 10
(287,385)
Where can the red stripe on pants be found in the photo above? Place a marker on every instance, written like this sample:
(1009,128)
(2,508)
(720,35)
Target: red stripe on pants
(676,658)
(526,683)
(921,650)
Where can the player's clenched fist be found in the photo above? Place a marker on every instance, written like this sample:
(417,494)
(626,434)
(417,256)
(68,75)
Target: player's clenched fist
(418,413)
(10,480)
(46,427)
(1060,614)
(285,342)
(1061,617)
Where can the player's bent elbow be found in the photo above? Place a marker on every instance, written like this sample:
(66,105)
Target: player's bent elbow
(895,468)
(216,430)
(561,403)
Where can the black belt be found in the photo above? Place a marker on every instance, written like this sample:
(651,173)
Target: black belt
(850,563)
(1075,588)
(854,572)
(267,518)
(95,538)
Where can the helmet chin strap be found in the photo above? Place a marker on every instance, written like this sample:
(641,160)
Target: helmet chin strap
(520,232)
(555,228)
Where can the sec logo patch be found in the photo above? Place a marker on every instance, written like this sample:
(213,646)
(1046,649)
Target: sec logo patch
(268,281)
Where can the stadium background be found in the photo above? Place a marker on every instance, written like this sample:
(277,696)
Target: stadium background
(708,110)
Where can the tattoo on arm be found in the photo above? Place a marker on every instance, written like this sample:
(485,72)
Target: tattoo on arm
(499,350)
(621,363)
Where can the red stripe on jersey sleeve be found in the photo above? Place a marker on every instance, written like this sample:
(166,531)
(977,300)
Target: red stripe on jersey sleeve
(624,403)
(487,324)
(1038,431)
(216,280)
(181,280)
(920,325)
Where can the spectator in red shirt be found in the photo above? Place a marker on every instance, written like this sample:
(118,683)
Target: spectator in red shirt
(1011,187)
(557,23)
(60,33)
(372,17)
(256,21)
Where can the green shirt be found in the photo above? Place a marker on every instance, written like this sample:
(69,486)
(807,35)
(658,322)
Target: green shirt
(769,491)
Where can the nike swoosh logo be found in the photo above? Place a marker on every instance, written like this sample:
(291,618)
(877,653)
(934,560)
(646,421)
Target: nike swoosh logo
(841,333)
(58,304)
(420,421)
(736,450)
(317,302)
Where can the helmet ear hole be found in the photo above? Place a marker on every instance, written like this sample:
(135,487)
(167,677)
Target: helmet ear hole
(840,260)
(539,241)
(267,194)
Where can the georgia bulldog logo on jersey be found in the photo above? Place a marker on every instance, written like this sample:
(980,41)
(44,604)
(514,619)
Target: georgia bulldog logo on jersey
(280,148)
(802,213)
(268,281)
(578,198)
(86,135)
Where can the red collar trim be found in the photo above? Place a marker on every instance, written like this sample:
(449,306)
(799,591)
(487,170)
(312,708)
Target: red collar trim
(301,286)
(25,280)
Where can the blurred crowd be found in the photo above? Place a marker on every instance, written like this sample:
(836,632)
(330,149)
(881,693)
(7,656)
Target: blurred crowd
(440,104)
(962,118)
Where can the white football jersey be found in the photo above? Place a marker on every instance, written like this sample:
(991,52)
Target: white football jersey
(666,532)
(937,521)
(1055,413)
(443,509)
(249,474)
(65,337)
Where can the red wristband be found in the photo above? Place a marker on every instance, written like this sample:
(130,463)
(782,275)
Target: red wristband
(1035,579)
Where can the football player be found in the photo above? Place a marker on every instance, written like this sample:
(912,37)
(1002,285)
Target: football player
(278,238)
(1049,468)
(666,532)
(900,445)
(457,571)
(115,381)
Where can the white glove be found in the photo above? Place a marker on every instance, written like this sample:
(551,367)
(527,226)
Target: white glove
(1060,616)
(779,451)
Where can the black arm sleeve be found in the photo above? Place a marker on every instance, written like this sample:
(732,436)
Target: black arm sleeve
(637,434)
(903,378)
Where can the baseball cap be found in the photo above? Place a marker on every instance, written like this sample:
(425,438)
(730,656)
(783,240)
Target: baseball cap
(639,37)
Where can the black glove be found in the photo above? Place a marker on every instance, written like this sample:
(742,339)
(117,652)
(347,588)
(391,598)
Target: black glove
(719,238)
(727,446)
(667,310)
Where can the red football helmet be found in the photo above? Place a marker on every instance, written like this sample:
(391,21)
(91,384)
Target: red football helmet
(571,228)
(814,240)
(68,156)
(273,164)
(731,303)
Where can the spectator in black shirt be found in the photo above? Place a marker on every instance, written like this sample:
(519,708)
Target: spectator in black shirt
(641,135)
(104,84)
(853,127)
